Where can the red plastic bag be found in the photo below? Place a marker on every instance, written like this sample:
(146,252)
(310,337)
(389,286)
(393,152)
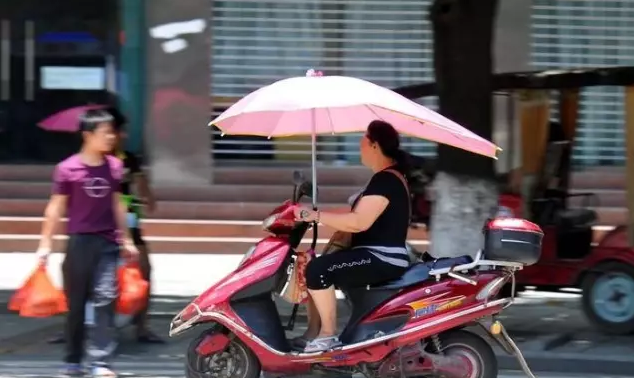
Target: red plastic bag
(133,290)
(38,297)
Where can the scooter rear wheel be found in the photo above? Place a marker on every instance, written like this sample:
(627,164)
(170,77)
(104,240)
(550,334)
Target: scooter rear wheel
(472,348)
(235,361)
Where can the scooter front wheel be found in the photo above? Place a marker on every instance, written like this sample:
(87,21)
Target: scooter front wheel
(235,361)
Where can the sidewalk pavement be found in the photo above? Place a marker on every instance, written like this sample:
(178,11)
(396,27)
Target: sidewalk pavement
(549,328)
(553,335)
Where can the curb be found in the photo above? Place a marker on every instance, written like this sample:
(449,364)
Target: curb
(569,363)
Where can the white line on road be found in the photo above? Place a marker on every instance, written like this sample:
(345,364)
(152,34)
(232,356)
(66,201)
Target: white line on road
(204,221)
(185,239)
(151,220)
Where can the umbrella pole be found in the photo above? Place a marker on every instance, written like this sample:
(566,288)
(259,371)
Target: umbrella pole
(313,158)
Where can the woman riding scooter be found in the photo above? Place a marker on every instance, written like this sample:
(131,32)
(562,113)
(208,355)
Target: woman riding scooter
(378,221)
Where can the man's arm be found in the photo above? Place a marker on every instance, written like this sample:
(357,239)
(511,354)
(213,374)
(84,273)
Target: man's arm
(120,210)
(55,210)
(141,182)
(121,217)
(143,185)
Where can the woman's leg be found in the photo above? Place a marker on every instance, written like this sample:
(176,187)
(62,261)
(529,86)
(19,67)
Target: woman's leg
(326,304)
(347,268)
(314,320)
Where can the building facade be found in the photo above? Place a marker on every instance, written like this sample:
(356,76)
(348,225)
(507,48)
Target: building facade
(164,62)
(256,42)
(587,33)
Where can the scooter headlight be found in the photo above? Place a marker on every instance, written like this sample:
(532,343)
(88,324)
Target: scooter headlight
(268,222)
(247,255)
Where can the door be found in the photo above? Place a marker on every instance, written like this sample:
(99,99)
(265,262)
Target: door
(53,55)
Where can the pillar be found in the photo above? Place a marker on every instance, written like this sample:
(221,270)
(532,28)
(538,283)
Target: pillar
(178,42)
(131,80)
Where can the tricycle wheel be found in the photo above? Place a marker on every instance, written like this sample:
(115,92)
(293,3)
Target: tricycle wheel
(608,298)
(235,361)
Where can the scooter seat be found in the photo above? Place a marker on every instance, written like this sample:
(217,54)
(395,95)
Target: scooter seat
(419,272)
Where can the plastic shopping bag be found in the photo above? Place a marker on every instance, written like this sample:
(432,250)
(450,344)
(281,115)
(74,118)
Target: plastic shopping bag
(133,290)
(38,297)
(296,290)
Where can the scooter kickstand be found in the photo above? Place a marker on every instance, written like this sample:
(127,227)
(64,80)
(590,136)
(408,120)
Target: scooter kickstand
(516,351)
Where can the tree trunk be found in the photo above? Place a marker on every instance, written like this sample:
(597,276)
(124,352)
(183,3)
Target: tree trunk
(465,190)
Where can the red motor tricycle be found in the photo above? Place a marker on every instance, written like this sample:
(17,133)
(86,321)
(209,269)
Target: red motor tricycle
(603,270)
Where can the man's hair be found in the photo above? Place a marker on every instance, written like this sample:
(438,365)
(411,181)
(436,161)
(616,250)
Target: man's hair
(119,120)
(93,118)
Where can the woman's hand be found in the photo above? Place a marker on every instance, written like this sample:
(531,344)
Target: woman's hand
(305,214)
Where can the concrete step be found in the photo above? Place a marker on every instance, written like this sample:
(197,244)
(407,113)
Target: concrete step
(174,228)
(219,192)
(186,236)
(173,245)
(354,176)
(592,178)
(266,193)
(255,211)
(167,209)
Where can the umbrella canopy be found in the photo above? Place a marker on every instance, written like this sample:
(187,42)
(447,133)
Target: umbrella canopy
(339,104)
(67,121)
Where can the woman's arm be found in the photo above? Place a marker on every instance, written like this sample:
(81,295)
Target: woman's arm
(360,219)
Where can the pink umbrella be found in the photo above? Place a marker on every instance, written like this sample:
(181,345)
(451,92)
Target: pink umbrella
(66,121)
(318,104)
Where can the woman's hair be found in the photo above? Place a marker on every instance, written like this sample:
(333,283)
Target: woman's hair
(386,136)
(93,118)
(119,120)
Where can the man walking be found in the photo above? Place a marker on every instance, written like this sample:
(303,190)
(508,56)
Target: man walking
(87,189)
(134,182)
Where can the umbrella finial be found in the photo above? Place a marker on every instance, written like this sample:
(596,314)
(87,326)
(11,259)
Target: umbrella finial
(312,73)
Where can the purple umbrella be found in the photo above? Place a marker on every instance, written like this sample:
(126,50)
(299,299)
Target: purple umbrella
(67,121)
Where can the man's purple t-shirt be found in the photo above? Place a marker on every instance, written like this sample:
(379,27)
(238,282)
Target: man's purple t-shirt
(90,193)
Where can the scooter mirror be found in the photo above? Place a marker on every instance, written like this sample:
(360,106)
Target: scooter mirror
(298,178)
(306,188)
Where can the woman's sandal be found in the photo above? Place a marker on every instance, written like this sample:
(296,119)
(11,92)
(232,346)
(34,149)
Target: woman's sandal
(322,344)
(299,342)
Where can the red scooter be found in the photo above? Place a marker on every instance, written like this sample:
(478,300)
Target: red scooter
(413,326)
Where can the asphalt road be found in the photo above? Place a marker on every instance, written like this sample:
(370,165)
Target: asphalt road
(147,371)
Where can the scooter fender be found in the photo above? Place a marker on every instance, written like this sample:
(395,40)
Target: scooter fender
(212,343)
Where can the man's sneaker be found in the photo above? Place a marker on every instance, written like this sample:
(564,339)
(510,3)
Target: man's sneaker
(102,372)
(72,370)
